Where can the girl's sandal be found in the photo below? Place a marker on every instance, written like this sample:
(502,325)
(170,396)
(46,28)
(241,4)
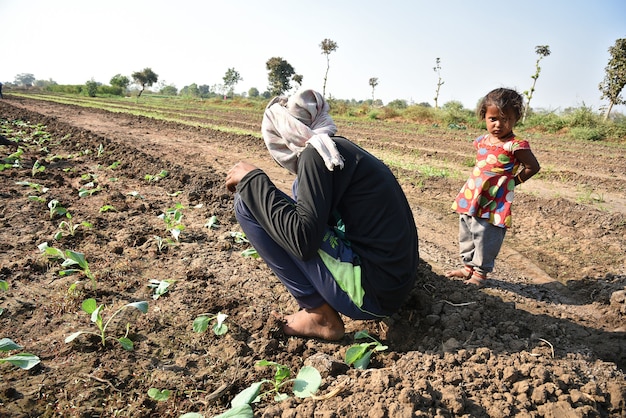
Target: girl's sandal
(464,273)
(477,279)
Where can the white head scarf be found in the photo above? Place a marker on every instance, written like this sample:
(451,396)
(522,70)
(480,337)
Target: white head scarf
(289,124)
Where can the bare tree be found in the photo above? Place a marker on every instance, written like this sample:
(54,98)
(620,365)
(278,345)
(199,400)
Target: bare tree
(542,51)
(615,77)
(327,46)
(373,84)
(440,82)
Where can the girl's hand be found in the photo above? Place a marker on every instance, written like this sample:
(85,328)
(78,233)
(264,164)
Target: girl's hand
(530,163)
(234,176)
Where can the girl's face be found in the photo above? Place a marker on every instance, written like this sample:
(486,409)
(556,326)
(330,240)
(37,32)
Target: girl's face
(499,124)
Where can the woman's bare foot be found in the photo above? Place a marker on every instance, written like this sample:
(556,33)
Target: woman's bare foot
(464,273)
(323,322)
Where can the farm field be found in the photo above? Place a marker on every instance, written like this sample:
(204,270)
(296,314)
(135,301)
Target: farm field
(546,338)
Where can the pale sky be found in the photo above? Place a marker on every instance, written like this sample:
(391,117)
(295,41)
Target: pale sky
(481,44)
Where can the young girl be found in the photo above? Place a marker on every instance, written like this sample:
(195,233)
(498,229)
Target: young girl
(484,202)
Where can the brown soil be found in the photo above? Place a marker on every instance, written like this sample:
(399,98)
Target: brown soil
(546,338)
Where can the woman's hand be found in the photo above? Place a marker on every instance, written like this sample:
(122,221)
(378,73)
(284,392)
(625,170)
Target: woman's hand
(234,176)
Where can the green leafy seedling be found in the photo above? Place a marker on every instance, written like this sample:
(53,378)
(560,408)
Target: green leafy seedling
(68,228)
(24,361)
(201,323)
(36,186)
(306,383)
(359,355)
(107,208)
(212,223)
(156,177)
(135,194)
(240,238)
(91,307)
(159,395)
(88,189)
(12,161)
(160,287)
(69,258)
(172,218)
(250,252)
(56,208)
(161,243)
(37,168)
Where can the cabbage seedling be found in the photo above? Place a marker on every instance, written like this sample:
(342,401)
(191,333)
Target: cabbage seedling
(88,189)
(159,395)
(201,323)
(306,383)
(70,259)
(156,177)
(359,354)
(37,168)
(172,218)
(212,222)
(160,287)
(24,361)
(56,208)
(12,161)
(91,307)
(38,187)
(69,227)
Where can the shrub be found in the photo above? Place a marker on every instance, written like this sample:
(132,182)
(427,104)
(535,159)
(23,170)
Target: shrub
(419,113)
(110,90)
(550,122)
(582,117)
(397,104)
(587,134)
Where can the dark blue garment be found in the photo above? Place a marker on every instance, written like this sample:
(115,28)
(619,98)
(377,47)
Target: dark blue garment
(309,282)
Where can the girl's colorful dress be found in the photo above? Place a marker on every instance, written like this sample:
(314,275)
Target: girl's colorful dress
(488,193)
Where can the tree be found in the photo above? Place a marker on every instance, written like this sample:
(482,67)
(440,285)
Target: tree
(169,90)
(231,78)
(440,82)
(24,79)
(91,87)
(145,78)
(205,91)
(615,77)
(297,78)
(119,80)
(542,51)
(327,46)
(253,92)
(279,75)
(373,84)
(191,90)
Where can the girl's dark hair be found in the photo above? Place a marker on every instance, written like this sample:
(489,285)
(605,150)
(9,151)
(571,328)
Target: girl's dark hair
(505,100)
